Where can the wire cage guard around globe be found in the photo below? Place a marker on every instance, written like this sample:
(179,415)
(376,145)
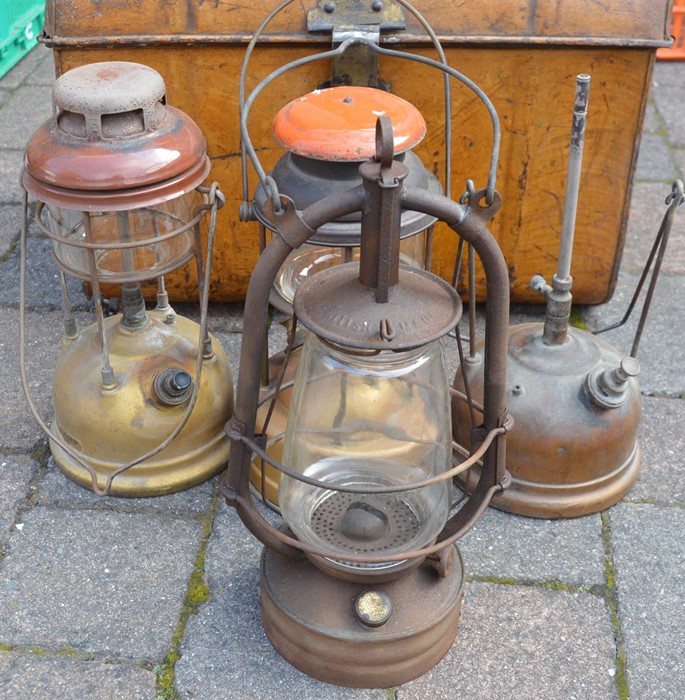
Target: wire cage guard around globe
(475,457)
(169,239)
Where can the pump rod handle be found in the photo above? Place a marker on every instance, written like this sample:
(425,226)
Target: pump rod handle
(573,176)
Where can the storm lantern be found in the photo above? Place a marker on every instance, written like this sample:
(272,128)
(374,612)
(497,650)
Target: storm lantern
(362,584)
(140,397)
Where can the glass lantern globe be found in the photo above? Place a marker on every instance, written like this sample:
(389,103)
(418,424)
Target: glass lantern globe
(309,259)
(119,228)
(368,420)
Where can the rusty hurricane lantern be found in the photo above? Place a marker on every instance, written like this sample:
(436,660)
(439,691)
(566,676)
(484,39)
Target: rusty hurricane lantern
(140,398)
(362,584)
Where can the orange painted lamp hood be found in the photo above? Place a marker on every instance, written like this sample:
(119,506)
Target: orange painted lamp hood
(339,123)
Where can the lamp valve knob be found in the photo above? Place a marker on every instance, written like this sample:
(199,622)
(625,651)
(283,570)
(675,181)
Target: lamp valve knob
(172,386)
(608,388)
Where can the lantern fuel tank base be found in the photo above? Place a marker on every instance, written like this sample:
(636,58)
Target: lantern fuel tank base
(573,449)
(547,500)
(106,428)
(314,621)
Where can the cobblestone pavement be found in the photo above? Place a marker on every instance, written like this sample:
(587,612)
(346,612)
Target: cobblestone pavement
(158,598)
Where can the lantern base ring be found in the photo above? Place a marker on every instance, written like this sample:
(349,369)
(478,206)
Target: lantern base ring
(538,499)
(310,619)
(154,477)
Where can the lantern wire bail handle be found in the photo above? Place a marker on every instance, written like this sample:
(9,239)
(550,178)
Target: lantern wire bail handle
(245,104)
(213,201)
(674,200)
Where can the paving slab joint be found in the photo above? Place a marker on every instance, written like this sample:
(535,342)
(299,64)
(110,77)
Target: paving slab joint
(663,395)
(621,677)
(662,129)
(663,132)
(40,456)
(197,594)
(544,584)
(10,250)
(653,502)
(45,652)
(576,318)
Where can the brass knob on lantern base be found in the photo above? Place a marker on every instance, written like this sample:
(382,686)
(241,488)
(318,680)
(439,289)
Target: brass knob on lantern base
(610,388)
(373,608)
(172,386)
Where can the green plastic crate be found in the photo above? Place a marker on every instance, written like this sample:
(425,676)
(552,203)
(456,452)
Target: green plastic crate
(21,21)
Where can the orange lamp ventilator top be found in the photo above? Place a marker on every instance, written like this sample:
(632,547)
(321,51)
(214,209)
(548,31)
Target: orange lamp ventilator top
(339,123)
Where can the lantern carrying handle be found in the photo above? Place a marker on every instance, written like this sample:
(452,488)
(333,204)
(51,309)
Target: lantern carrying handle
(446,85)
(295,228)
(247,148)
(675,199)
(213,201)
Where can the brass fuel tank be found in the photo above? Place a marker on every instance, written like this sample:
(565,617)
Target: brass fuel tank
(111,427)
(573,449)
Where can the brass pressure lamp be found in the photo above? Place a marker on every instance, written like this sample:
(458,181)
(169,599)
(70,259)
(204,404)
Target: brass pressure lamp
(139,398)
(574,397)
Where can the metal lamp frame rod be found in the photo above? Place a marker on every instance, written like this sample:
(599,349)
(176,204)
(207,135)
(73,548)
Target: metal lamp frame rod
(575,161)
(559,297)
(674,200)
